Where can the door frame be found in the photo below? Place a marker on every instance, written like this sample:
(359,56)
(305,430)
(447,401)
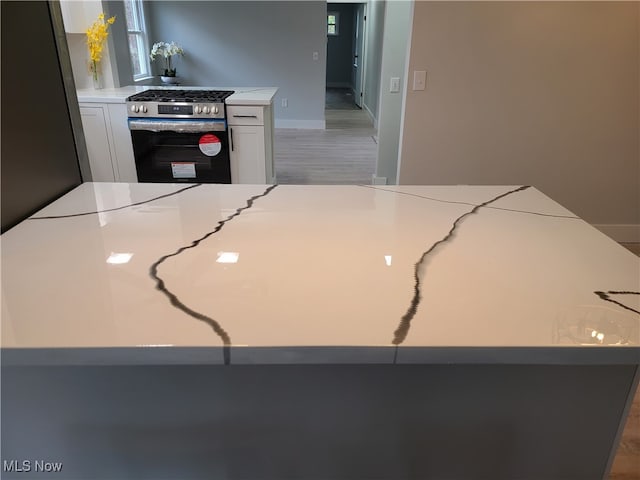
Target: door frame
(360,70)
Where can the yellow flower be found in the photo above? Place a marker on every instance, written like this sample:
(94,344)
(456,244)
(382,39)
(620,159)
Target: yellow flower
(96,37)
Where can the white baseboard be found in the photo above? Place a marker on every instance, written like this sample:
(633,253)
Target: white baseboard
(302,124)
(629,233)
(373,119)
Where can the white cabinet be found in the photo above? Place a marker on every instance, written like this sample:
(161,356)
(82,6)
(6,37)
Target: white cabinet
(122,157)
(251,144)
(98,145)
(247,154)
(108,142)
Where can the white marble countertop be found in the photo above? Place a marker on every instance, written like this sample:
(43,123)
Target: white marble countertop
(108,95)
(242,95)
(116,273)
(251,96)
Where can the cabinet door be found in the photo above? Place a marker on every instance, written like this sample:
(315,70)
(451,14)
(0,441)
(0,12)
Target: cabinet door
(247,154)
(96,136)
(125,165)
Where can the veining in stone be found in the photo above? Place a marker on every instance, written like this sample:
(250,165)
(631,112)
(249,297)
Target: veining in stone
(456,202)
(49,217)
(606,296)
(176,302)
(405,323)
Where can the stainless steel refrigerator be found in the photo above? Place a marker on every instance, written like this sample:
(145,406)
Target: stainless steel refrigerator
(43,154)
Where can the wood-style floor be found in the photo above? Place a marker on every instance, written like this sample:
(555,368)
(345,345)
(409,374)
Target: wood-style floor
(345,153)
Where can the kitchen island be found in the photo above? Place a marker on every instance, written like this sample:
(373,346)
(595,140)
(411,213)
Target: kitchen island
(251,331)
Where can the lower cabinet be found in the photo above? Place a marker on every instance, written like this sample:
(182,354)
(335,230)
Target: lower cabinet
(251,144)
(108,142)
(247,154)
(98,144)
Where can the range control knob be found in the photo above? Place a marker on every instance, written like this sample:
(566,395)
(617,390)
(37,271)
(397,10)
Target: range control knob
(144,109)
(198,109)
(205,109)
(134,108)
(215,110)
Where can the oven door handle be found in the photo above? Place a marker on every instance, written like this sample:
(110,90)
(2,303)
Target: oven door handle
(177,125)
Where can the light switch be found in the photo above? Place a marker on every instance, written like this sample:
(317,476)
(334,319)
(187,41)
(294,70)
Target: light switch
(419,79)
(395,85)
(315,55)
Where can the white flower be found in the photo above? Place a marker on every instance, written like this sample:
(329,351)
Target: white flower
(166,50)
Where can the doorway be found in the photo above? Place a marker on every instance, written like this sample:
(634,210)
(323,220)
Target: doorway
(345,152)
(345,55)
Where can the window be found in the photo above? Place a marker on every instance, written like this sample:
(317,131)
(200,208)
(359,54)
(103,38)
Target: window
(332,23)
(138,46)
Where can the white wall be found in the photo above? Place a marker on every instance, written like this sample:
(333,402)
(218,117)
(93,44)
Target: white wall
(77,18)
(397,28)
(247,44)
(539,93)
(79,54)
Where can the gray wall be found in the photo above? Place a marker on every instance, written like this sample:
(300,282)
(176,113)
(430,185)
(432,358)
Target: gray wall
(340,47)
(248,44)
(539,93)
(118,50)
(373,56)
(397,28)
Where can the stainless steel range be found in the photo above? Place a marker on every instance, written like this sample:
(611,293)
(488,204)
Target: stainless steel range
(180,135)
(178,104)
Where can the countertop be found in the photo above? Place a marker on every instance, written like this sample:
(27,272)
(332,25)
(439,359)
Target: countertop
(242,95)
(116,273)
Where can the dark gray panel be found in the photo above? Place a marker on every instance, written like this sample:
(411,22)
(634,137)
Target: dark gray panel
(39,160)
(315,422)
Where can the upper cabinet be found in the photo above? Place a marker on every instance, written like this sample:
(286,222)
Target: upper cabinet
(78,16)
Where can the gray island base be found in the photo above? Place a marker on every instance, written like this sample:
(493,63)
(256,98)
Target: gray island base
(348,332)
(316,421)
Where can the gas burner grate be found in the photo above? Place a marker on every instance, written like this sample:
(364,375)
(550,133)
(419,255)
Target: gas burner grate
(186,96)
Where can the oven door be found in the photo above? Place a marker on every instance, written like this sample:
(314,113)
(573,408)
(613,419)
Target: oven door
(192,151)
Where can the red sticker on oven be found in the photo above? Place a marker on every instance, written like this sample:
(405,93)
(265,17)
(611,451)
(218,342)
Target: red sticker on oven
(210,145)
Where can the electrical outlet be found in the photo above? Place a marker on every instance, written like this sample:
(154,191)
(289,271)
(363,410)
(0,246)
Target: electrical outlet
(378,180)
(395,85)
(419,79)
(285,103)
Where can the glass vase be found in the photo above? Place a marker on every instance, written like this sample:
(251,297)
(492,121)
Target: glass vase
(96,77)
